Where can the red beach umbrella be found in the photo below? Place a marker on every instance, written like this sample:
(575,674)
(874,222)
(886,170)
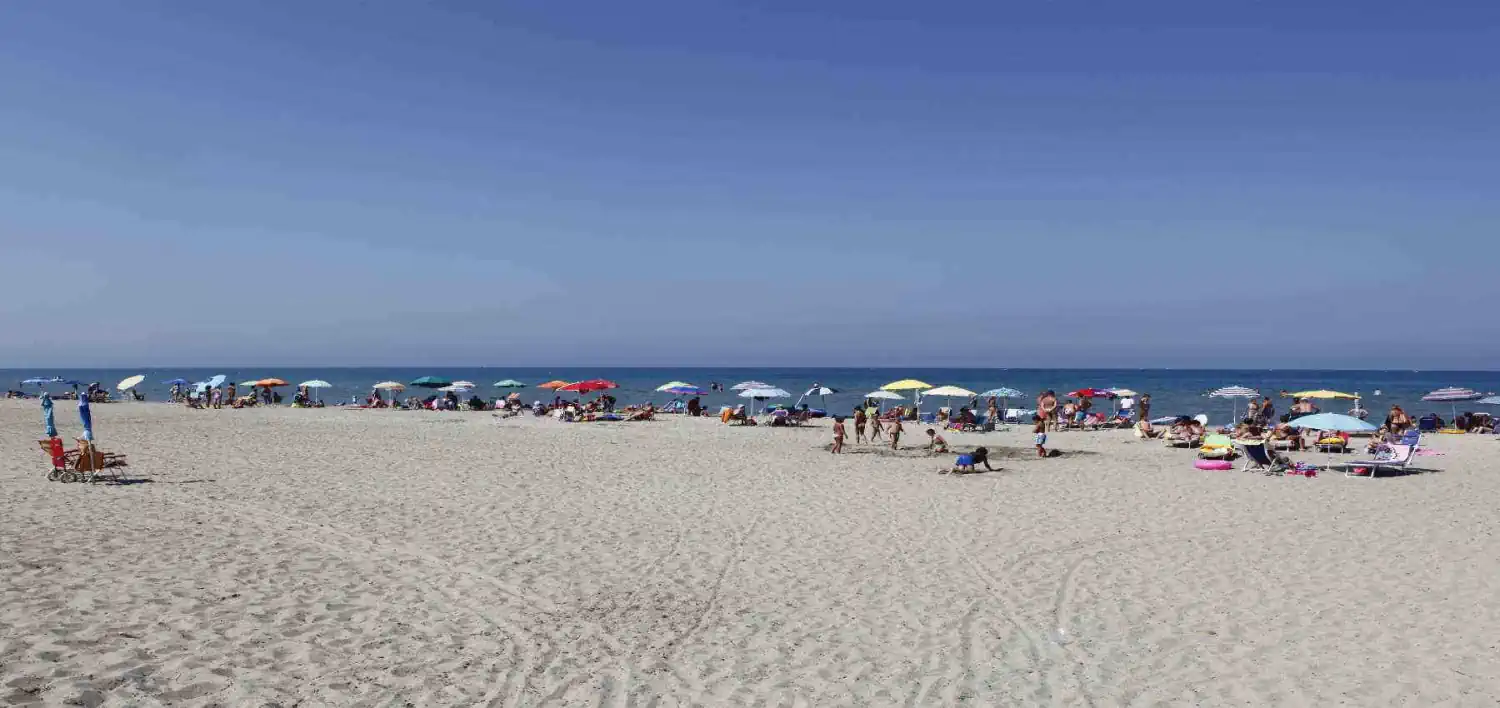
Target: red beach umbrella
(1092,393)
(590,385)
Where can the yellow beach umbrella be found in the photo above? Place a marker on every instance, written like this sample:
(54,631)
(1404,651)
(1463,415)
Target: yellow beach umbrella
(391,386)
(906,385)
(1320,394)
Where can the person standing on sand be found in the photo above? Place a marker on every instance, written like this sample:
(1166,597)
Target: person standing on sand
(896,434)
(838,435)
(875,426)
(229,394)
(859,424)
(1046,405)
(1144,406)
(1039,427)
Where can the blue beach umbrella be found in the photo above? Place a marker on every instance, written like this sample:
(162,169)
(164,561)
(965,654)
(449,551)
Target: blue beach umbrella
(47,418)
(1336,422)
(175,382)
(87,418)
(686,391)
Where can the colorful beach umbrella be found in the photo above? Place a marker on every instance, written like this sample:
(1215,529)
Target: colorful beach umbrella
(129,383)
(1002,392)
(553,384)
(1092,393)
(1320,393)
(49,422)
(684,391)
(271,383)
(671,385)
(509,383)
(432,382)
(1336,422)
(1232,392)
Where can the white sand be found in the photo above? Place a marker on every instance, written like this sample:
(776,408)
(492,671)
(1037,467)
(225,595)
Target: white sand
(372,557)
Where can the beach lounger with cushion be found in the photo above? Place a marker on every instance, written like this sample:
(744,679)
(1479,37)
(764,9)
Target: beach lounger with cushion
(1396,457)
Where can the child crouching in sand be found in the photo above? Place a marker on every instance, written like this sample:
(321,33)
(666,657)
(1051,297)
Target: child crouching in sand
(935,442)
(965,463)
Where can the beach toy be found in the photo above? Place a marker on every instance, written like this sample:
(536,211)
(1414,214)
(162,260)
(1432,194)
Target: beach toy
(1213,464)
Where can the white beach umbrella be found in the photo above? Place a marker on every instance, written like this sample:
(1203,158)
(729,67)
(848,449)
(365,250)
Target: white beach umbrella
(673,384)
(130,383)
(464,384)
(316,383)
(761,394)
(949,392)
(456,388)
(746,385)
(884,396)
(822,392)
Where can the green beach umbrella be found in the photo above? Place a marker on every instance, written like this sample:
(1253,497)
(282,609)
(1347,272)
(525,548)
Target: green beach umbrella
(509,383)
(432,382)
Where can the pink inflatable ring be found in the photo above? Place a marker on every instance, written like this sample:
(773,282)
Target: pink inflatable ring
(1214,465)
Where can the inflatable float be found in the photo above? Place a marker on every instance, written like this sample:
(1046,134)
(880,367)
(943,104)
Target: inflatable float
(1213,464)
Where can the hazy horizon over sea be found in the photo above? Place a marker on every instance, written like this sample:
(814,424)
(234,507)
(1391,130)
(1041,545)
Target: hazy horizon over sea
(1174,391)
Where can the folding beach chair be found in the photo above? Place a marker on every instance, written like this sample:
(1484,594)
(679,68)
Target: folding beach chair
(1259,459)
(1398,457)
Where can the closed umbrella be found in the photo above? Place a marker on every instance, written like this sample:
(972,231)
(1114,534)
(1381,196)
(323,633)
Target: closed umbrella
(130,383)
(1453,395)
(87,417)
(48,421)
(509,383)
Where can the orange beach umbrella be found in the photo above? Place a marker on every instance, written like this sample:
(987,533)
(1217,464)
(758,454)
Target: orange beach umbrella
(553,384)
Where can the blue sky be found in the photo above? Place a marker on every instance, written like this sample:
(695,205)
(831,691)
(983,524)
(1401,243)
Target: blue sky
(1055,182)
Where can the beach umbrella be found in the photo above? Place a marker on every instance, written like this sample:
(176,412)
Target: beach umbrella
(390,386)
(1336,422)
(176,382)
(589,386)
(821,391)
(684,391)
(906,385)
(38,381)
(1124,392)
(315,384)
(761,394)
(1320,393)
(48,421)
(949,392)
(455,388)
(432,382)
(271,383)
(216,381)
(87,417)
(130,383)
(1004,393)
(465,384)
(1490,401)
(1453,395)
(1233,392)
(246,384)
(1092,393)
(884,396)
(509,383)
(553,384)
(671,385)
(747,385)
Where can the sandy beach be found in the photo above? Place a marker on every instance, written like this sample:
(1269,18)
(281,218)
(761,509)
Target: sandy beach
(344,557)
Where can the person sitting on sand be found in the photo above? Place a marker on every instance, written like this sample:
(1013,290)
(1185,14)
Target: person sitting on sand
(1039,429)
(935,442)
(896,434)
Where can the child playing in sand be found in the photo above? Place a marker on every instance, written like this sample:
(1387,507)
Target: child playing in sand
(935,442)
(965,463)
(859,424)
(875,426)
(838,435)
(896,434)
(1039,427)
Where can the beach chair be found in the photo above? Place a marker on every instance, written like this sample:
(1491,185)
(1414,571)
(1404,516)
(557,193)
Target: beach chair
(1260,459)
(62,460)
(1428,423)
(674,406)
(93,463)
(1398,457)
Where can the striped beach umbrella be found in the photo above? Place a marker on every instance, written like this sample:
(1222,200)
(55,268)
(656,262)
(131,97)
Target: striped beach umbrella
(1453,395)
(1234,392)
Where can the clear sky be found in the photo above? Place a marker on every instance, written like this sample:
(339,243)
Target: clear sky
(871,182)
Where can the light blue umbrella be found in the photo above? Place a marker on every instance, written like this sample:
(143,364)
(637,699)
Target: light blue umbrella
(1490,401)
(1336,422)
(87,417)
(37,381)
(47,417)
(176,382)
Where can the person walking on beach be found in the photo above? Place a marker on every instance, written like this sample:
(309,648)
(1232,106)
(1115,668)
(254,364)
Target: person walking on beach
(875,426)
(1039,428)
(217,398)
(896,433)
(1144,406)
(1046,404)
(838,435)
(229,394)
(859,424)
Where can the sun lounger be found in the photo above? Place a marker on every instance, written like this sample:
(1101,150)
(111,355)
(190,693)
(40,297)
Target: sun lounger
(1398,457)
(1334,443)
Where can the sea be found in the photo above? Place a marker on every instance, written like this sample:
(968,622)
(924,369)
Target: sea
(1173,391)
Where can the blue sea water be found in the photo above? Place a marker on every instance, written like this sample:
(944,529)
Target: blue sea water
(1172,391)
